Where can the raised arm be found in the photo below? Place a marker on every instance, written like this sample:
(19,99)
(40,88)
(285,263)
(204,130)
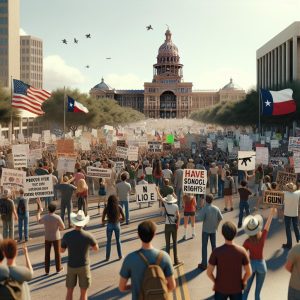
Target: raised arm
(269,220)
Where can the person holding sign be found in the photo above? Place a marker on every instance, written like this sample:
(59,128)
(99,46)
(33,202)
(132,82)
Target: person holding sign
(253,226)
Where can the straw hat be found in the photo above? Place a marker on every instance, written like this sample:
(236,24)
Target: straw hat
(290,187)
(79,219)
(170,199)
(253,224)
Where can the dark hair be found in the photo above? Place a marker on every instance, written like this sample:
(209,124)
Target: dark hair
(100,180)
(52,207)
(9,248)
(229,230)
(1,253)
(227,173)
(209,198)
(166,181)
(243,183)
(50,170)
(40,165)
(267,178)
(146,231)
(123,176)
(112,209)
(157,170)
(274,185)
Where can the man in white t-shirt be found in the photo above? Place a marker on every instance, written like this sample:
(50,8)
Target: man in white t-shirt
(167,173)
(149,175)
(291,205)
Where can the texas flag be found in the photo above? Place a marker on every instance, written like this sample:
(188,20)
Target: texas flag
(75,106)
(275,103)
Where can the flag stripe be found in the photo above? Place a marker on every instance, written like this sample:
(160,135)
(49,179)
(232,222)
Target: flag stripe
(26,107)
(284,108)
(26,99)
(24,102)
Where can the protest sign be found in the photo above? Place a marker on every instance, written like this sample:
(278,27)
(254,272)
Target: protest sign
(273,198)
(177,145)
(245,143)
(294,144)
(98,172)
(121,152)
(276,161)
(296,158)
(35,137)
(194,181)
(65,147)
(133,153)
(38,186)
(209,145)
(170,139)
(167,147)
(46,136)
(94,133)
(121,143)
(12,178)
(146,193)
(284,177)
(85,144)
(119,166)
(66,164)
(246,160)
(262,155)
(21,137)
(20,155)
(154,146)
(274,144)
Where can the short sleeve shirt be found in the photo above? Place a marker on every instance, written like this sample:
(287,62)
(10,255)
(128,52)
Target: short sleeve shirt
(256,249)
(52,222)
(172,210)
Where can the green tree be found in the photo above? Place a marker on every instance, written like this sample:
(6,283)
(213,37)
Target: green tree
(5,107)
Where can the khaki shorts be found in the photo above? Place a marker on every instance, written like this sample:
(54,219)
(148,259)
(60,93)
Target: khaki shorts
(83,274)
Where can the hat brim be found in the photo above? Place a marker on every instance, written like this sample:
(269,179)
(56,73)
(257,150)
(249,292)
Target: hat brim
(78,223)
(249,232)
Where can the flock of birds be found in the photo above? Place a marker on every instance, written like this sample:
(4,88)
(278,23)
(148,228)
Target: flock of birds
(88,36)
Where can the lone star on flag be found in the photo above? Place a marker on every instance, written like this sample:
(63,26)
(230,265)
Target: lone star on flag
(71,104)
(268,103)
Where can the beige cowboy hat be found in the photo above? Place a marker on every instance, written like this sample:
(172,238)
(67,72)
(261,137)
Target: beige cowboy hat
(253,224)
(169,199)
(191,160)
(290,187)
(79,219)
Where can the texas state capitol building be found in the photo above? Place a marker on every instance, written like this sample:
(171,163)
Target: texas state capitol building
(168,96)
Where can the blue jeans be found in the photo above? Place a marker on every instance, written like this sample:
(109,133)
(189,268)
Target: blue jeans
(241,176)
(293,294)
(220,296)
(125,204)
(220,188)
(259,269)
(179,196)
(287,222)
(66,205)
(23,220)
(244,206)
(47,201)
(213,183)
(8,228)
(113,227)
(205,237)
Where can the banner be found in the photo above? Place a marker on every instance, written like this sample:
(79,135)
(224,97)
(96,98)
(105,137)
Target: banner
(294,144)
(154,146)
(66,164)
(194,181)
(98,172)
(121,152)
(133,153)
(284,177)
(246,160)
(262,155)
(273,198)
(38,186)
(119,166)
(146,193)
(12,178)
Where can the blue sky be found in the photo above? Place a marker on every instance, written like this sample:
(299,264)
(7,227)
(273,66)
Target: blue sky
(217,39)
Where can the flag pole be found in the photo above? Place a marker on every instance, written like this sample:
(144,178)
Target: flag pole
(64,112)
(11,111)
(259,112)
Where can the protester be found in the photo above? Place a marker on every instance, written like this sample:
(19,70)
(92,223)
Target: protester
(244,193)
(211,217)
(189,208)
(157,173)
(221,177)
(82,194)
(78,242)
(253,226)
(229,259)
(101,193)
(178,180)
(115,215)
(123,189)
(149,173)
(228,187)
(135,265)
(213,178)
(23,216)
(167,173)
(53,224)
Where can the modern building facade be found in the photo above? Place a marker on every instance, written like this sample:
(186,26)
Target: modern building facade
(31,60)
(9,41)
(278,61)
(168,96)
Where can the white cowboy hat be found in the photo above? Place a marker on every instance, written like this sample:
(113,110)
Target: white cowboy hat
(290,187)
(170,199)
(253,224)
(191,160)
(79,219)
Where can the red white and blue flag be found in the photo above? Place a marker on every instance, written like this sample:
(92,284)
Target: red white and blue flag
(75,106)
(276,103)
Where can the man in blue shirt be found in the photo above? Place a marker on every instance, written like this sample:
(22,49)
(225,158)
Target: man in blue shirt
(134,267)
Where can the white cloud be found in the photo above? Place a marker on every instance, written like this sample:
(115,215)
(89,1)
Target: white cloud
(22,32)
(58,74)
(125,81)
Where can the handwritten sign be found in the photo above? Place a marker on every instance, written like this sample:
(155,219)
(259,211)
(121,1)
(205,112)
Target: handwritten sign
(38,186)
(194,181)
(133,153)
(154,146)
(273,198)
(12,178)
(284,177)
(262,155)
(121,152)
(98,172)
(294,144)
(65,147)
(146,193)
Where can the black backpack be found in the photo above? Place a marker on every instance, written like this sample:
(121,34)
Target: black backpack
(21,209)
(4,209)
(10,290)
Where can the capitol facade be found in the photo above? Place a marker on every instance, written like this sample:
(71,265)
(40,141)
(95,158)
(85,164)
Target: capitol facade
(168,96)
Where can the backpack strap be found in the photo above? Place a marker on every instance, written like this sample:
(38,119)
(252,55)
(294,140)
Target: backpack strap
(159,258)
(143,257)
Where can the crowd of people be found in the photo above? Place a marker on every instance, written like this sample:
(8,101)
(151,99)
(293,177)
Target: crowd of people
(231,267)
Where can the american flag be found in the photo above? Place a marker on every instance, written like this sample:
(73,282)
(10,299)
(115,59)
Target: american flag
(28,98)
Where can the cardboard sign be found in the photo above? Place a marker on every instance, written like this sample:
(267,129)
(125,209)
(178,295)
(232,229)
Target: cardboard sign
(65,147)
(246,160)
(284,177)
(121,152)
(119,166)
(146,193)
(262,155)
(121,143)
(294,144)
(194,181)
(35,137)
(296,159)
(98,172)
(133,153)
(273,198)
(12,178)
(38,186)
(66,164)
(154,146)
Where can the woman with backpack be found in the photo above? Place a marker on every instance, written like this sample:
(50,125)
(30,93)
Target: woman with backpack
(23,216)
(101,193)
(228,187)
(82,194)
(115,215)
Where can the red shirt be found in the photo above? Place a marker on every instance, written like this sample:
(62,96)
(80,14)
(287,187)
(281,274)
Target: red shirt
(190,206)
(256,249)
(82,194)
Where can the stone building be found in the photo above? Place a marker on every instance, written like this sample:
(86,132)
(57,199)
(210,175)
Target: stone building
(168,96)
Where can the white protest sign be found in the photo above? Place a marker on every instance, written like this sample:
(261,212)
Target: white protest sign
(119,166)
(194,181)
(133,153)
(246,160)
(177,145)
(35,137)
(20,155)
(146,193)
(294,144)
(155,146)
(121,152)
(262,155)
(21,137)
(94,133)
(38,186)
(98,172)
(66,164)
(296,157)
(245,143)
(12,178)
(85,144)
(46,136)
(274,144)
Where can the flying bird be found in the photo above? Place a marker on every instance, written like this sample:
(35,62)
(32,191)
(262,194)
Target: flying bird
(64,41)
(88,36)
(149,27)
(108,57)
(87,66)
(75,41)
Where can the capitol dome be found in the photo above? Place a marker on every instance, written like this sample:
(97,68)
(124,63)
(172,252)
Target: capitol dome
(102,86)
(168,48)
(231,86)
